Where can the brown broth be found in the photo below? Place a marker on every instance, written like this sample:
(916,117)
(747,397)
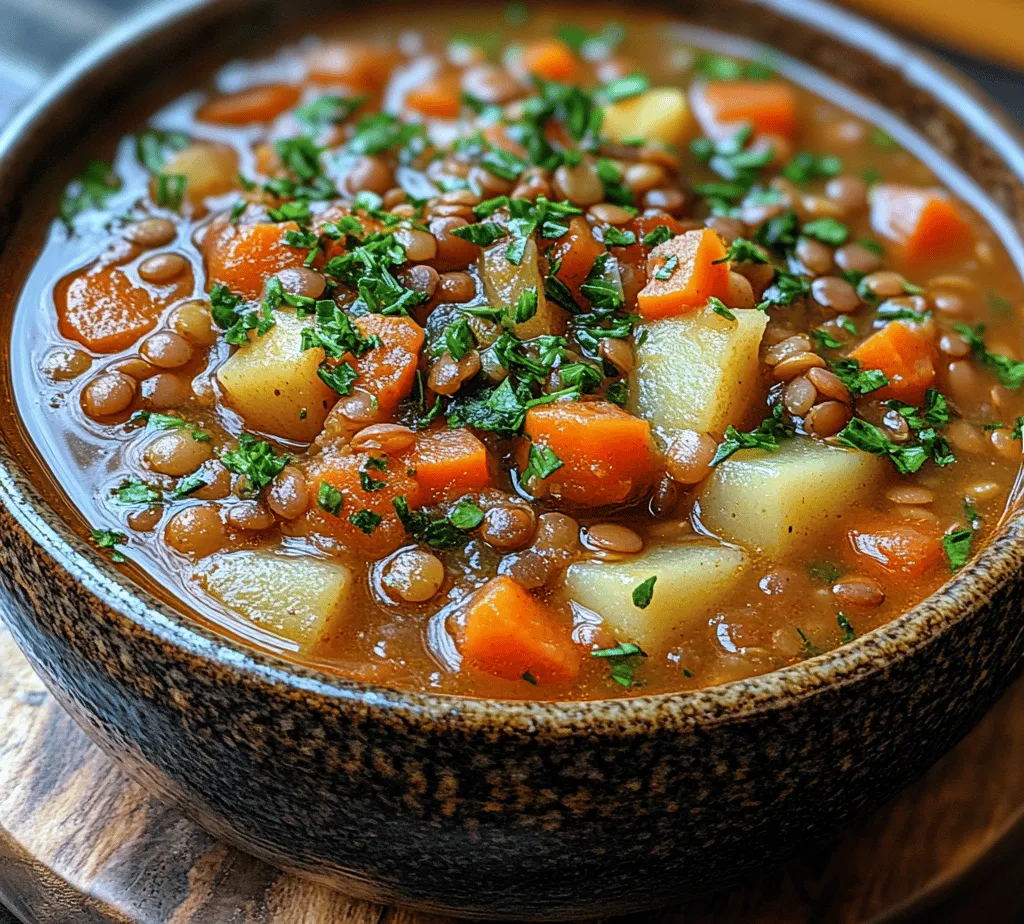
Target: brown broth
(755,627)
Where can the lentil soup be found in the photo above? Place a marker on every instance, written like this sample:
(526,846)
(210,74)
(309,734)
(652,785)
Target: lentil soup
(533,361)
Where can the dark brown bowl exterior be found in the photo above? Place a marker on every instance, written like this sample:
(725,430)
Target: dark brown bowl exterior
(509,809)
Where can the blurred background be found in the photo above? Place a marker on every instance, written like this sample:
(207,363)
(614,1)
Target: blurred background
(982,37)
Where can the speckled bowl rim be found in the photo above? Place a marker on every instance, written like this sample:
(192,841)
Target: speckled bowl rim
(235,661)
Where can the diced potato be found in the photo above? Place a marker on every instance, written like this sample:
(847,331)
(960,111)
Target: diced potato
(504,282)
(691,579)
(660,114)
(210,169)
(698,371)
(272,382)
(292,597)
(782,500)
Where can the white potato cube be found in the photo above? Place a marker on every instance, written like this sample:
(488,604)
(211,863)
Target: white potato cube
(661,114)
(504,282)
(209,169)
(273,383)
(691,579)
(698,371)
(779,501)
(291,597)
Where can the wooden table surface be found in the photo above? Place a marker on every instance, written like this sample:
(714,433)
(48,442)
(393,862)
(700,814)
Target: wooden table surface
(81,844)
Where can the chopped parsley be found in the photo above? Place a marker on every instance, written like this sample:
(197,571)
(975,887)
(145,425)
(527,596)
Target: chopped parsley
(335,333)
(827,572)
(365,520)
(170,190)
(657,235)
(957,546)
(806,167)
(328,110)
(255,460)
(110,539)
(1009,371)
(828,231)
(338,378)
(859,381)
(625,87)
(89,190)
(439,532)
(153,146)
(765,436)
(616,237)
(623,660)
(859,434)
(542,463)
(643,593)
(466,515)
(482,234)
(667,268)
(329,499)
(743,251)
(849,633)
(135,493)
(719,307)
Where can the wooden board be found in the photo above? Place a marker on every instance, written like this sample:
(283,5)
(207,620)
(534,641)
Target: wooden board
(81,843)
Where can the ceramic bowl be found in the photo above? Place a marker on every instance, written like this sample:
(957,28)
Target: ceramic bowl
(498,809)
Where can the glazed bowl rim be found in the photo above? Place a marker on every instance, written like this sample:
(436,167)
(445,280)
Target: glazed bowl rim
(208,650)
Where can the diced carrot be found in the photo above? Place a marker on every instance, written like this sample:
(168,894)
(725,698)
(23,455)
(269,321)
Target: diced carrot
(694,275)
(106,311)
(549,59)
(924,223)
(243,256)
(388,372)
(724,106)
(575,253)
(359,65)
(905,352)
(636,254)
(449,463)
(887,548)
(349,473)
(440,97)
(256,104)
(607,455)
(504,630)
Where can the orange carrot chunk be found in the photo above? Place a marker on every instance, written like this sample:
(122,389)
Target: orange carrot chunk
(342,508)
(924,223)
(256,104)
(905,352)
(722,107)
(506,631)
(449,463)
(607,455)
(574,254)
(243,256)
(549,59)
(682,275)
(105,311)
(438,97)
(388,371)
(887,548)
(362,66)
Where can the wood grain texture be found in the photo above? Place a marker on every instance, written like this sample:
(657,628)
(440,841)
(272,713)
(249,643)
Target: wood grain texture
(80,843)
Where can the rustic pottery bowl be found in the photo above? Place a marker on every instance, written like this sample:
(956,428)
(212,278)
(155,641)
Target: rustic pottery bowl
(542,810)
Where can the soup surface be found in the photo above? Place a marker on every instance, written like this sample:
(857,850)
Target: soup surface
(533,361)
